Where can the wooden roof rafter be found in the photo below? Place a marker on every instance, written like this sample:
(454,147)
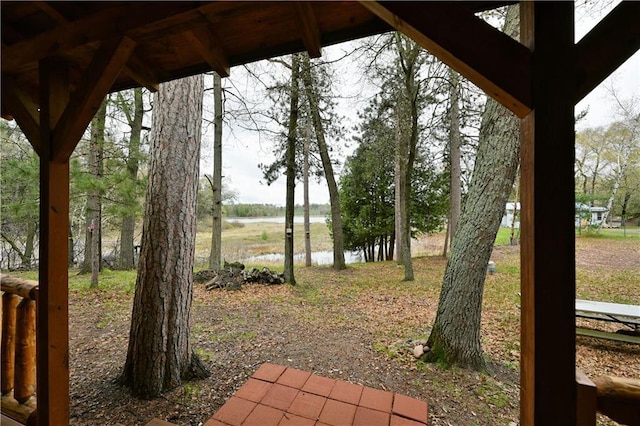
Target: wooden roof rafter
(207,44)
(142,74)
(52,12)
(135,20)
(501,67)
(607,46)
(308,28)
(25,111)
(98,78)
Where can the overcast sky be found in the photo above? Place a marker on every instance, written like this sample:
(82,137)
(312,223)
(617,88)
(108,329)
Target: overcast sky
(243,151)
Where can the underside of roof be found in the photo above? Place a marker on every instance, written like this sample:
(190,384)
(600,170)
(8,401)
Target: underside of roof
(171,39)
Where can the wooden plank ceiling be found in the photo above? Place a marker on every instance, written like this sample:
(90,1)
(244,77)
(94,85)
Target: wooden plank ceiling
(171,39)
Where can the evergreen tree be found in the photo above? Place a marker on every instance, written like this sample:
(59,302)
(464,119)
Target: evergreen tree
(20,196)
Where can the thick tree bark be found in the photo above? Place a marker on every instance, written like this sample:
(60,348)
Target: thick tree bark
(291,168)
(455,337)
(334,196)
(454,152)
(159,355)
(215,258)
(127,230)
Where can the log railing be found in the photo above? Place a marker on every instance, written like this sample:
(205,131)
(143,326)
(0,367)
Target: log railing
(616,397)
(18,368)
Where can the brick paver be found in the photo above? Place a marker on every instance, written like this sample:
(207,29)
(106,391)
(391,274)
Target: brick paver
(264,416)
(376,399)
(307,405)
(269,372)
(234,411)
(253,390)
(337,413)
(346,392)
(410,408)
(280,396)
(318,385)
(294,378)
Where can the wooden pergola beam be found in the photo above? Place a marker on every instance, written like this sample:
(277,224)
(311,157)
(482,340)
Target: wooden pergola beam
(607,46)
(24,110)
(53,298)
(309,29)
(547,362)
(132,19)
(52,12)
(206,44)
(492,60)
(97,80)
(142,74)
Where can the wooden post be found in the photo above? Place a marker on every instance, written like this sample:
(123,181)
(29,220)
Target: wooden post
(52,306)
(9,303)
(25,380)
(586,400)
(547,374)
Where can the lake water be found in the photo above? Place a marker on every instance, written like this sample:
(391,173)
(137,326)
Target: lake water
(296,219)
(317,257)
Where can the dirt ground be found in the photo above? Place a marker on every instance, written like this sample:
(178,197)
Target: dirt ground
(235,332)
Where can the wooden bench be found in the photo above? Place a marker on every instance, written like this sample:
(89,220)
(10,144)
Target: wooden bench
(625,315)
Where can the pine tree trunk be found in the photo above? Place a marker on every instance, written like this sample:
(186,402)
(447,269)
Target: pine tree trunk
(126,260)
(127,230)
(159,355)
(28,245)
(291,169)
(334,197)
(215,258)
(398,182)
(455,337)
(71,257)
(406,143)
(454,152)
(305,183)
(413,143)
(92,256)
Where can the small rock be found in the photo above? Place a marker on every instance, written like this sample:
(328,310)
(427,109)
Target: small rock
(418,351)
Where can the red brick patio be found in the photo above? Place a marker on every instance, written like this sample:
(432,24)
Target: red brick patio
(277,395)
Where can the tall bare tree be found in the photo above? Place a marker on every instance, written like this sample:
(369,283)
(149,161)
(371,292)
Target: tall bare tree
(93,229)
(623,140)
(305,184)
(290,164)
(455,190)
(409,58)
(160,355)
(134,115)
(311,92)
(215,257)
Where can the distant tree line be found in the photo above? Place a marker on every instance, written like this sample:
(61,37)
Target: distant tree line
(270,210)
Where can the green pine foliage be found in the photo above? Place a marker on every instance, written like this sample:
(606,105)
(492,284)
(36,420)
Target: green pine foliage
(367,189)
(19,206)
